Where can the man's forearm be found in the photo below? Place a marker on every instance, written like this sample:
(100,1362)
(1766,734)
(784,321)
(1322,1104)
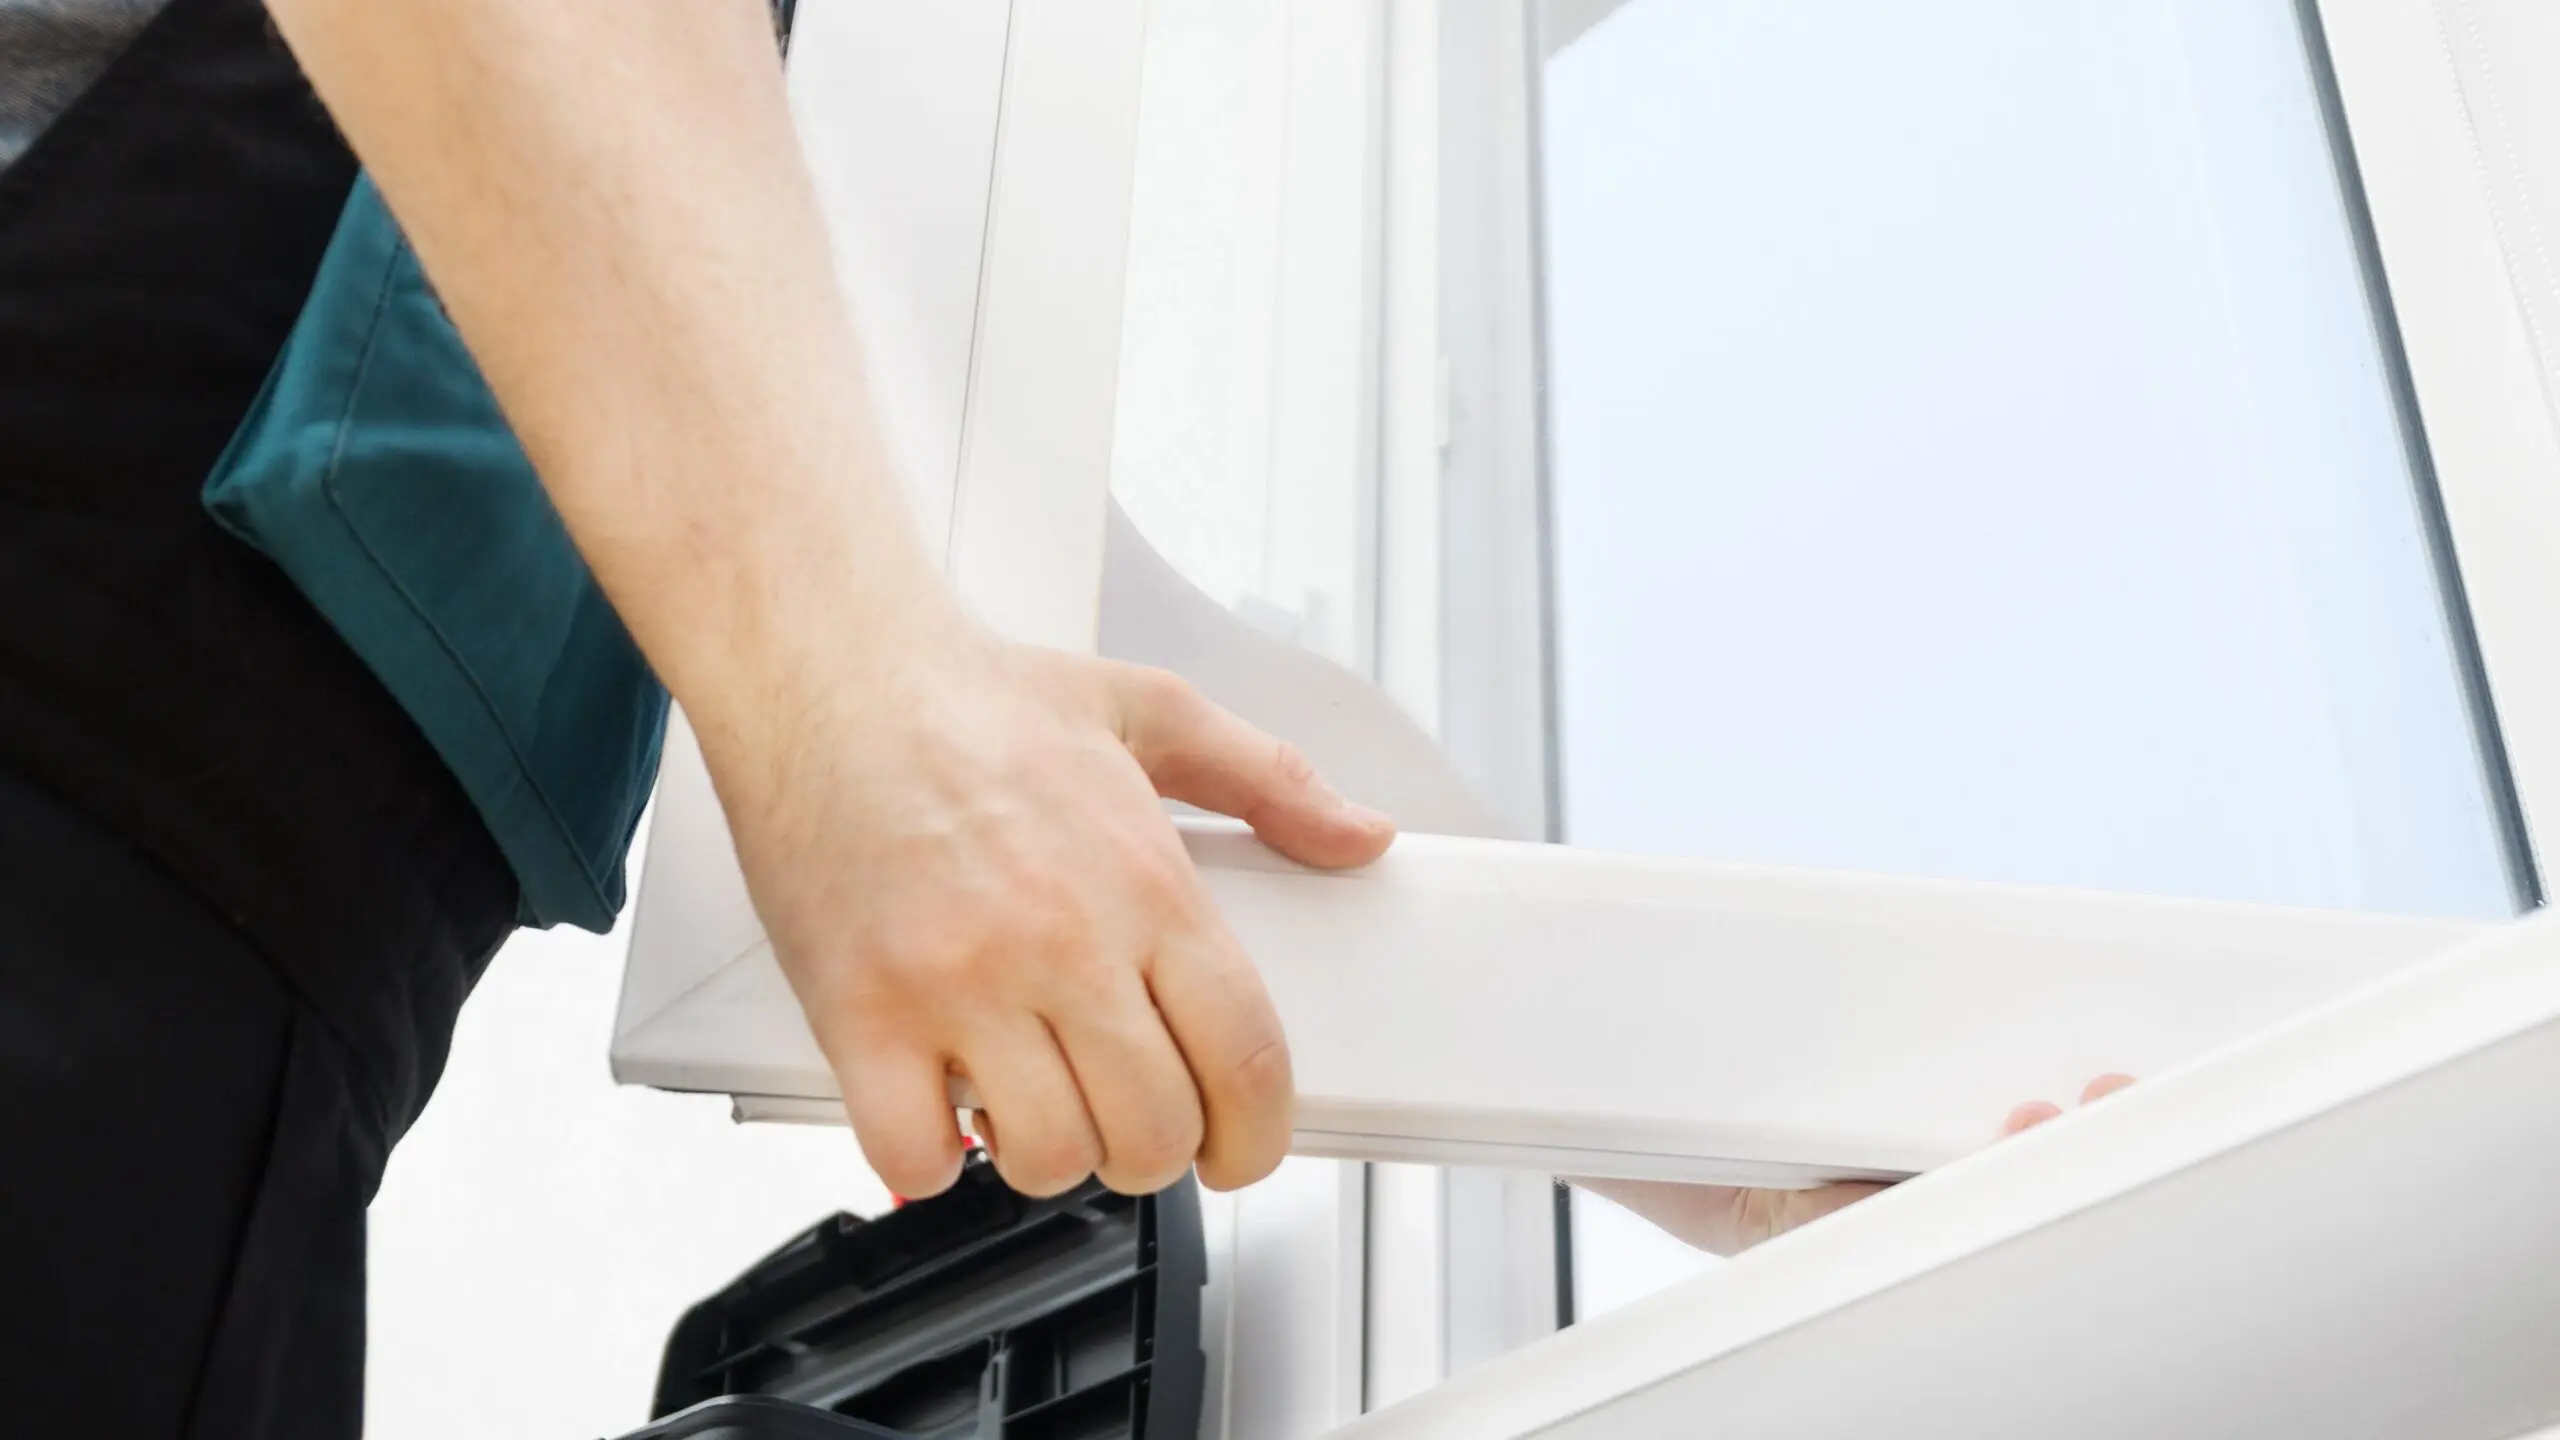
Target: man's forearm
(957,845)
(609,198)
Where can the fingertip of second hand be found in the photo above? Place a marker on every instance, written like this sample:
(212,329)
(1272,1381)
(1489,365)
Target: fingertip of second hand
(2028,1116)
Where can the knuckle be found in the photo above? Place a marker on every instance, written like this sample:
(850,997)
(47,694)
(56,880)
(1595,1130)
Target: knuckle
(1082,982)
(1161,876)
(1292,765)
(1046,1165)
(1049,916)
(1156,1157)
(915,956)
(1160,692)
(915,1168)
(980,941)
(1159,711)
(1261,1080)
(1003,949)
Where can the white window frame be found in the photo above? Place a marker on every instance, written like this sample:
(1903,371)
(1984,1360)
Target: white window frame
(1423,1272)
(2424,168)
(2481,394)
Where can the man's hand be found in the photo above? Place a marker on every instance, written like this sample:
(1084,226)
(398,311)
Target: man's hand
(966,871)
(953,841)
(1726,1220)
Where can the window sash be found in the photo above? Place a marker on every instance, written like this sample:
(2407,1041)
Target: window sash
(2429,162)
(1026,547)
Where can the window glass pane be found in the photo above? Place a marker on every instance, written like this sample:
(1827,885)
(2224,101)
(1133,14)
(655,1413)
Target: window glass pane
(1972,453)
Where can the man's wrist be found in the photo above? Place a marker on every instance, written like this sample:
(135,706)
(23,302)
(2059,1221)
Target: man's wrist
(807,663)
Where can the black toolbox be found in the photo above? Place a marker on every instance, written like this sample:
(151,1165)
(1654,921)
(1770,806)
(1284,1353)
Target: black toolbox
(979,1313)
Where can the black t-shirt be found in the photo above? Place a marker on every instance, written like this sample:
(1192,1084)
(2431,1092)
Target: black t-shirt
(156,243)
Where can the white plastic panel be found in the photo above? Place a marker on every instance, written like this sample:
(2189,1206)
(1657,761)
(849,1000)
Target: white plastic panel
(1035,470)
(1360,740)
(1247,399)
(1484,1002)
(2339,1230)
(908,219)
(1476,1001)
(1194,427)
(693,913)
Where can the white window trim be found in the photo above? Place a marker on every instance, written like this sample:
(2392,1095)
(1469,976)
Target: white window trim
(705,1009)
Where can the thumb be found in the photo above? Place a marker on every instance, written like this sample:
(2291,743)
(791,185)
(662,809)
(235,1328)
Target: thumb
(1198,753)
